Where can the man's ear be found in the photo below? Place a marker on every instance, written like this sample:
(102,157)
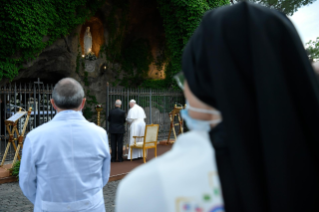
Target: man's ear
(83,103)
(53,104)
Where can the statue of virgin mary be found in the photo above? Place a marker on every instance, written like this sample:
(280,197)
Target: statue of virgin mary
(87,41)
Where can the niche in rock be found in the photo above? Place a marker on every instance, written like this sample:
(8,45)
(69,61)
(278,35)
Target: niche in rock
(145,22)
(96,30)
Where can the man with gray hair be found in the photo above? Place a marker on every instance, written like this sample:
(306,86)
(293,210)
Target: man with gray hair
(117,130)
(66,162)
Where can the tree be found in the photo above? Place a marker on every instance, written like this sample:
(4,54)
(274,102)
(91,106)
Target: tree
(312,48)
(289,7)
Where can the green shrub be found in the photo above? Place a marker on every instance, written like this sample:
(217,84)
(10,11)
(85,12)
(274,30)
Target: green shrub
(15,169)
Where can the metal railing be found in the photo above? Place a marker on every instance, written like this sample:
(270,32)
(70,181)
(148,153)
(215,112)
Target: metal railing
(156,103)
(13,96)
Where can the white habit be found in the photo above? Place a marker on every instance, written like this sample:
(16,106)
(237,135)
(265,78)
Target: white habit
(135,117)
(183,179)
(65,165)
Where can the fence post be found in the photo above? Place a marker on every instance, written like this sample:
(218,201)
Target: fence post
(15,100)
(107,107)
(34,107)
(151,106)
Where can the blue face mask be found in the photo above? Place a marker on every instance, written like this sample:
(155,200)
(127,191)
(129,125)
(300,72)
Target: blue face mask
(196,124)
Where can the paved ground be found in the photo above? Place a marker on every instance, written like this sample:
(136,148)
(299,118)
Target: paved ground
(12,199)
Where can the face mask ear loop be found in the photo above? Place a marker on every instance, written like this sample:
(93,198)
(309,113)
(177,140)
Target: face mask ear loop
(213,112)
(215,121)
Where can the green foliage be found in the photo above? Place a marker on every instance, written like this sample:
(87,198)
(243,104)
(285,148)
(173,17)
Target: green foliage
(134,57)
(117,21)
(86,80)
(78,59)
(312,48)
(15,169)
(135,61)
(91,101)
(288,7)
(88,112)
(28,27)
(181,18)
(214,4)
(90,56)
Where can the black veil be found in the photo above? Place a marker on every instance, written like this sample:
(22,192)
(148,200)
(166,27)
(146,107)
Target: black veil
(249,62)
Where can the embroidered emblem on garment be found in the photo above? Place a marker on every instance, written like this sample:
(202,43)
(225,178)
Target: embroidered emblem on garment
(217,209)
(206,197)
(216,191)
(186,207)
(198,209)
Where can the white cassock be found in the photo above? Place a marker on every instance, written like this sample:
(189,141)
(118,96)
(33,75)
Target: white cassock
(135,117)
(183,179)
(65,165)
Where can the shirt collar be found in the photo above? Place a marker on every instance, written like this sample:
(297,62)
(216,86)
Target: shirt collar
(69,114)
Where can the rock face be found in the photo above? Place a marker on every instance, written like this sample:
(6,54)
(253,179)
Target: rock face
(64,57)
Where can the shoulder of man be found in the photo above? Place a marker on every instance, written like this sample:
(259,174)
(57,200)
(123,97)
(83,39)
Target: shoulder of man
(43,129)
(96,128)
(46,128)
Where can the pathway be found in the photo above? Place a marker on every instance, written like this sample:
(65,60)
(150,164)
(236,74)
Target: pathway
(13,200)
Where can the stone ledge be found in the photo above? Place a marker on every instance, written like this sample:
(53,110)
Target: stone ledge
(8,179)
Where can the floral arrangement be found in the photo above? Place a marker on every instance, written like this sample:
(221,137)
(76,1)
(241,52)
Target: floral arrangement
(98,106)
(90,56)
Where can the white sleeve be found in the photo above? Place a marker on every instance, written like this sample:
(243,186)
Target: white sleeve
(28,173)
(141,191)
(106,163)
(129,120)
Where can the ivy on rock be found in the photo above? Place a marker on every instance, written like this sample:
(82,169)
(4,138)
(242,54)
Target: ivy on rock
(180,18)
(28,27)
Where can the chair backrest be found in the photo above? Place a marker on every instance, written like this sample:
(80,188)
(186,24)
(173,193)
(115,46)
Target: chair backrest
(151,133)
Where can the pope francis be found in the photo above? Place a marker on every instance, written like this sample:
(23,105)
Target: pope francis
(135,117)
(66,162)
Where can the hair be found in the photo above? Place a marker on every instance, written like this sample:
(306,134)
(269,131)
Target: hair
(118,102)
(68,94)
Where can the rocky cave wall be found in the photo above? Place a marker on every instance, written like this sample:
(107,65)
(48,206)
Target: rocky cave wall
(61,59)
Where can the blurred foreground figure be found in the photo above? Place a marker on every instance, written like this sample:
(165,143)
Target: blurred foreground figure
(66,162)
(135,117)
(245,64)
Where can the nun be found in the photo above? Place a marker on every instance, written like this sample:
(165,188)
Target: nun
(253,115)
